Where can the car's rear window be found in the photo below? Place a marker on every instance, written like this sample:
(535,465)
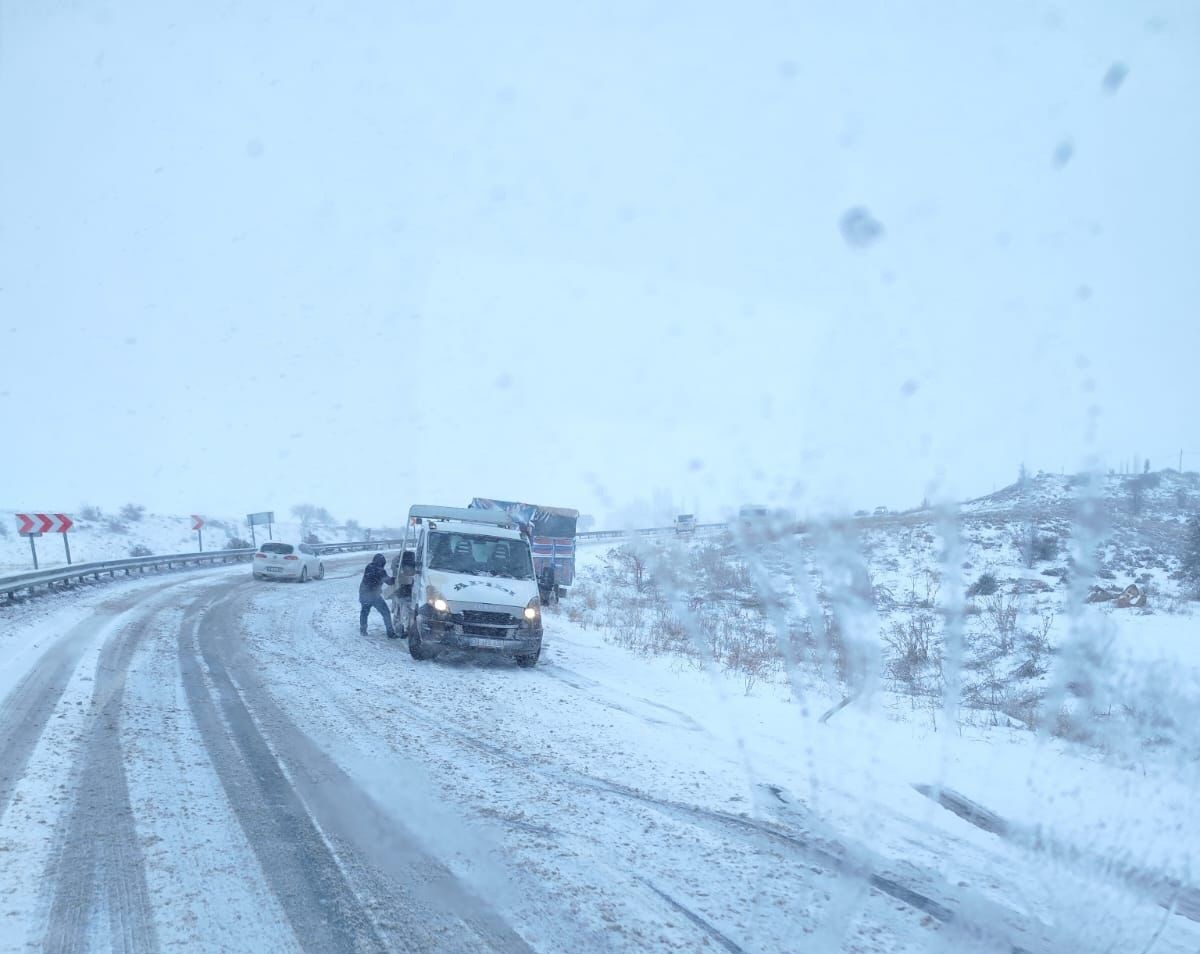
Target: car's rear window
(283,548)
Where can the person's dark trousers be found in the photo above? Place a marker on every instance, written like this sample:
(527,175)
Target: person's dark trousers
(380,604)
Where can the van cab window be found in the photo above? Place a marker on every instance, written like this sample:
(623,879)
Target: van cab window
(474,555)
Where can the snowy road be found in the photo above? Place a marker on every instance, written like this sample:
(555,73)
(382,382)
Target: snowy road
(207,763)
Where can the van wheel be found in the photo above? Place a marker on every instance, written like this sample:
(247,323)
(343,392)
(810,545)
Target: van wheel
(529,661)
(416,648)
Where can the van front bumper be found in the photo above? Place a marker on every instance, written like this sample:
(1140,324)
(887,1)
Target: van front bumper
(451,631)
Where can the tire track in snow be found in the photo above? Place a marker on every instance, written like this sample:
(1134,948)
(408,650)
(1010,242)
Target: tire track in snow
(968,918)
(743,828)
(594,690)
(696,919)
(26,710)
(98,868)
(708,930)
(1169,893)
(296,860)
(990,926)
(313,831)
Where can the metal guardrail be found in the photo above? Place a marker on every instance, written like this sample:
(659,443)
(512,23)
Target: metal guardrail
(81,572)
(10,586)
(647,532)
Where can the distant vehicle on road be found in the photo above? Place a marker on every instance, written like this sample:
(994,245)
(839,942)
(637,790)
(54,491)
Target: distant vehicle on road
(276,560)
(881,511)
(551,532)
(685,523)
(753,514)
(465,580)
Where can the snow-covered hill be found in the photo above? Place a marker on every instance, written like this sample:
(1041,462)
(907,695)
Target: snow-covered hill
(1014,607)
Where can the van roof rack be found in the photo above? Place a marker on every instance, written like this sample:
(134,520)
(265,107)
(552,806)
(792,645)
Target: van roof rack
(494,518)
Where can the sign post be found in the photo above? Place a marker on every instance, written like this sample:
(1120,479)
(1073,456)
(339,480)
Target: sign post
(265,518)
(198,526)
(35,524)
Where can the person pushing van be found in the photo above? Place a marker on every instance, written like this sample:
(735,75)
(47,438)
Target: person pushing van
(370,594)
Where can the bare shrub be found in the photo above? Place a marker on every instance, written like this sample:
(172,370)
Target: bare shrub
(1036,642)
(140,550)
(309,514)
(133,513)
(1000,613)
(913,658)
(113,525)
(924,587)
(1072,726)
(910,641)
(1024,706)
(1035,546)
(721,572)
(986,585)
(741,641)
(634,564)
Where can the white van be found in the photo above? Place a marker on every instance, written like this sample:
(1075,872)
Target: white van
(465,580)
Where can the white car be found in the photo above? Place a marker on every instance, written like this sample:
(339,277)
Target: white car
(286,561)
(685,523)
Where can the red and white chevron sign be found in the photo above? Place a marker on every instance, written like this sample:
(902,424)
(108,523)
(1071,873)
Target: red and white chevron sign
(197,522)
(29,523)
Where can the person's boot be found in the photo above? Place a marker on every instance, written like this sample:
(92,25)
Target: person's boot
(362,631)
(393,635)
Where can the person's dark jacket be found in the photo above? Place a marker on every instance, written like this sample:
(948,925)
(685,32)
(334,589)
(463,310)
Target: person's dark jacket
(373,578)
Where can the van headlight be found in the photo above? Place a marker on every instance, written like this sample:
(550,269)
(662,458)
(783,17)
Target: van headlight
(533,610)
(435,599)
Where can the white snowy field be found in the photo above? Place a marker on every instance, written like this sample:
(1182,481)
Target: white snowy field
(208,763)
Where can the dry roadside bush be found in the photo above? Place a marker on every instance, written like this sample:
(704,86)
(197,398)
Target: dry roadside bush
(986,585)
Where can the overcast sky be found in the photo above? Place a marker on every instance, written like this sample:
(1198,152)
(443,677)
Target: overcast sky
(370,254)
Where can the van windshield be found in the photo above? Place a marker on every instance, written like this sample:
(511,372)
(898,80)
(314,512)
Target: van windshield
(476,555)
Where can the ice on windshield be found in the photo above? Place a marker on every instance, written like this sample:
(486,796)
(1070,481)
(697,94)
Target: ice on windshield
(920,278)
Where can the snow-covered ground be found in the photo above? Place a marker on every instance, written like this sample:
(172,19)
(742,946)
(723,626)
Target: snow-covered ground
(208,763)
